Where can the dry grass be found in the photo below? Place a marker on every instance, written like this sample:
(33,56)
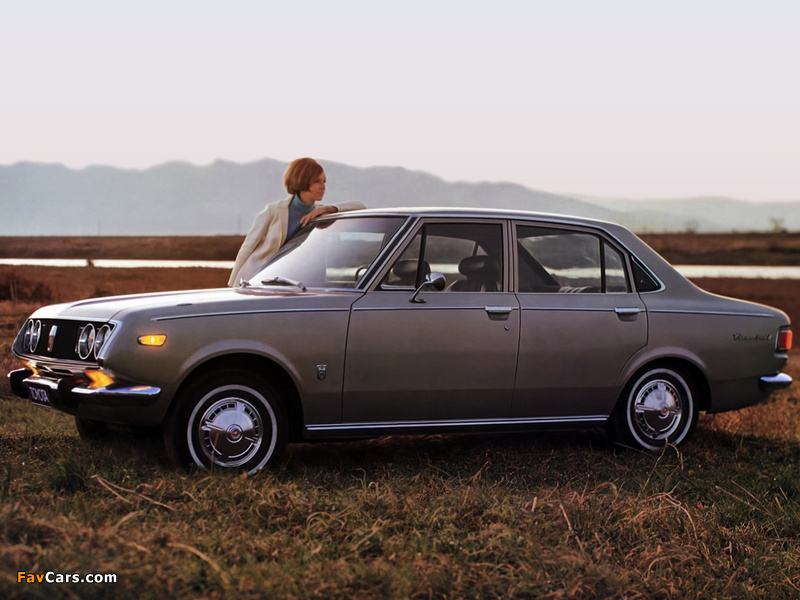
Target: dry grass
(514,516)
(774,249)
(53,284)
(122,247)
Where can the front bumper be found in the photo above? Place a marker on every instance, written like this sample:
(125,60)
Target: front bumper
(75,396)
(771,383)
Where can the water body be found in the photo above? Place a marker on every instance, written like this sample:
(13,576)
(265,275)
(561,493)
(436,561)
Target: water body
(120,264)
(691,271)
(739,272)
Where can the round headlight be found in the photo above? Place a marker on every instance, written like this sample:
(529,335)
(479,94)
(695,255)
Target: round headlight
(100,339)
(33,332)
(26,336)
(86,339)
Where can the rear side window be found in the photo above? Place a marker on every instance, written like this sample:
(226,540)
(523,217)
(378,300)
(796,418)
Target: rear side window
(645,282)
(551,260)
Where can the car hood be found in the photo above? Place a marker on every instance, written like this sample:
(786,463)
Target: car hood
(191,302)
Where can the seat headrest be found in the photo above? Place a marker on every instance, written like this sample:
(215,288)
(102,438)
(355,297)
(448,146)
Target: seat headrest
(407,268)
(478,265)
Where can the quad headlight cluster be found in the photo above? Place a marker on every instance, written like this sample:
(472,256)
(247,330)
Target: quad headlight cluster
(91,340)
(41,336)
(32,334)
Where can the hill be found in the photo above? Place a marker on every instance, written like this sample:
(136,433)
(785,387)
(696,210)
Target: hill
(221,199)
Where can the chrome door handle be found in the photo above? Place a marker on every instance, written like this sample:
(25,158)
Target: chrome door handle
(627,313)
(498,313)
(498,310)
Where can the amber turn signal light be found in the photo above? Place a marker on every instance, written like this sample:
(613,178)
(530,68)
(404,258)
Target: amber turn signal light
(152,340)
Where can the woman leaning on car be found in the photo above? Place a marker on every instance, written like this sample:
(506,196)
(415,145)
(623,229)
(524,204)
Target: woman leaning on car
(305,182)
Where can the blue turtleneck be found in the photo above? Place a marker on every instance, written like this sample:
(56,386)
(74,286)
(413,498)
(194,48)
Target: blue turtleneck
(297,210)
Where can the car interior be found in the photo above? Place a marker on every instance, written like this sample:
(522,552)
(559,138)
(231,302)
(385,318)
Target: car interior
(470,256)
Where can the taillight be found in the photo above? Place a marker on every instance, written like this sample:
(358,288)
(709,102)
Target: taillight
(784,340)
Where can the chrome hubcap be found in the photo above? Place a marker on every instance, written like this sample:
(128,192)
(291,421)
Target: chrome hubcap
(230,432)
(658,409)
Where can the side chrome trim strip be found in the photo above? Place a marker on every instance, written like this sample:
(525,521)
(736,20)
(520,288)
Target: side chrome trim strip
(250,312)
(713,313)
(426,307)
(455,423)
(609,309)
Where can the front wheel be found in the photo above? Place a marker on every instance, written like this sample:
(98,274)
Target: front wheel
(656,409)
(232,420)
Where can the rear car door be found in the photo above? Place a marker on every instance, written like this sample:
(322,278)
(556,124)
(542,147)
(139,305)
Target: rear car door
(581,322)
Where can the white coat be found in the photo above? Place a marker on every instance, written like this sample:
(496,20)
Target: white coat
(266,236)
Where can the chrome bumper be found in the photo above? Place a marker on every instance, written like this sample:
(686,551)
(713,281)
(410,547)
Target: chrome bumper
(772,383)
(69,393)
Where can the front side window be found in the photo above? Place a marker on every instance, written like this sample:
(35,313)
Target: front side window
(564,261)
(331,254)
(469,255)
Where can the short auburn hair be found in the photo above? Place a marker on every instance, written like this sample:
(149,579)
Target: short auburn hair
(300,173)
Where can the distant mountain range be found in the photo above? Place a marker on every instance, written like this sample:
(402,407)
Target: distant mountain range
(222,198)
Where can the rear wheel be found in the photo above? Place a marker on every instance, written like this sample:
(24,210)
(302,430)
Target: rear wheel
(231,420)
(656,409)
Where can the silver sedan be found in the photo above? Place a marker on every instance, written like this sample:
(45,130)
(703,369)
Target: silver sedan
(382,322)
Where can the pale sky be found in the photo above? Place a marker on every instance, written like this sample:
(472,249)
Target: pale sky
(629,98)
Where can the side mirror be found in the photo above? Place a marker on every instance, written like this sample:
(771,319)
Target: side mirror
(435,281)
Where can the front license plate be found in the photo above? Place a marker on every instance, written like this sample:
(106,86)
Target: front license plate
(39,395)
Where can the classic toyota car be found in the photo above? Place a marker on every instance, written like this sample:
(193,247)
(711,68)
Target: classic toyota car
(379,322)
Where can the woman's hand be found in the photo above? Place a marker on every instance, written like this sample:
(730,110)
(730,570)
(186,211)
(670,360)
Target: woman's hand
(317,212)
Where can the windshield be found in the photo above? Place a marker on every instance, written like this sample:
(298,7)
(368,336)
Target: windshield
(331,253)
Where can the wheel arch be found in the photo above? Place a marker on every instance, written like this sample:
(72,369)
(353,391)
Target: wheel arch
(261,366)
(648,432)
(691,370)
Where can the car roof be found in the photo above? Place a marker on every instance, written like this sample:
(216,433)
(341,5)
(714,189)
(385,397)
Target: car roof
(485,213)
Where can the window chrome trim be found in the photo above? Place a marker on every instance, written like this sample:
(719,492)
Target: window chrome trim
(385,255)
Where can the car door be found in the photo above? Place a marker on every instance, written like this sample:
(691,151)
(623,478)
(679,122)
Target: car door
(581,322)
(450,355)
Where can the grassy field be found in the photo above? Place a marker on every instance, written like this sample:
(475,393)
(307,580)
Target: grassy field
(472,516)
